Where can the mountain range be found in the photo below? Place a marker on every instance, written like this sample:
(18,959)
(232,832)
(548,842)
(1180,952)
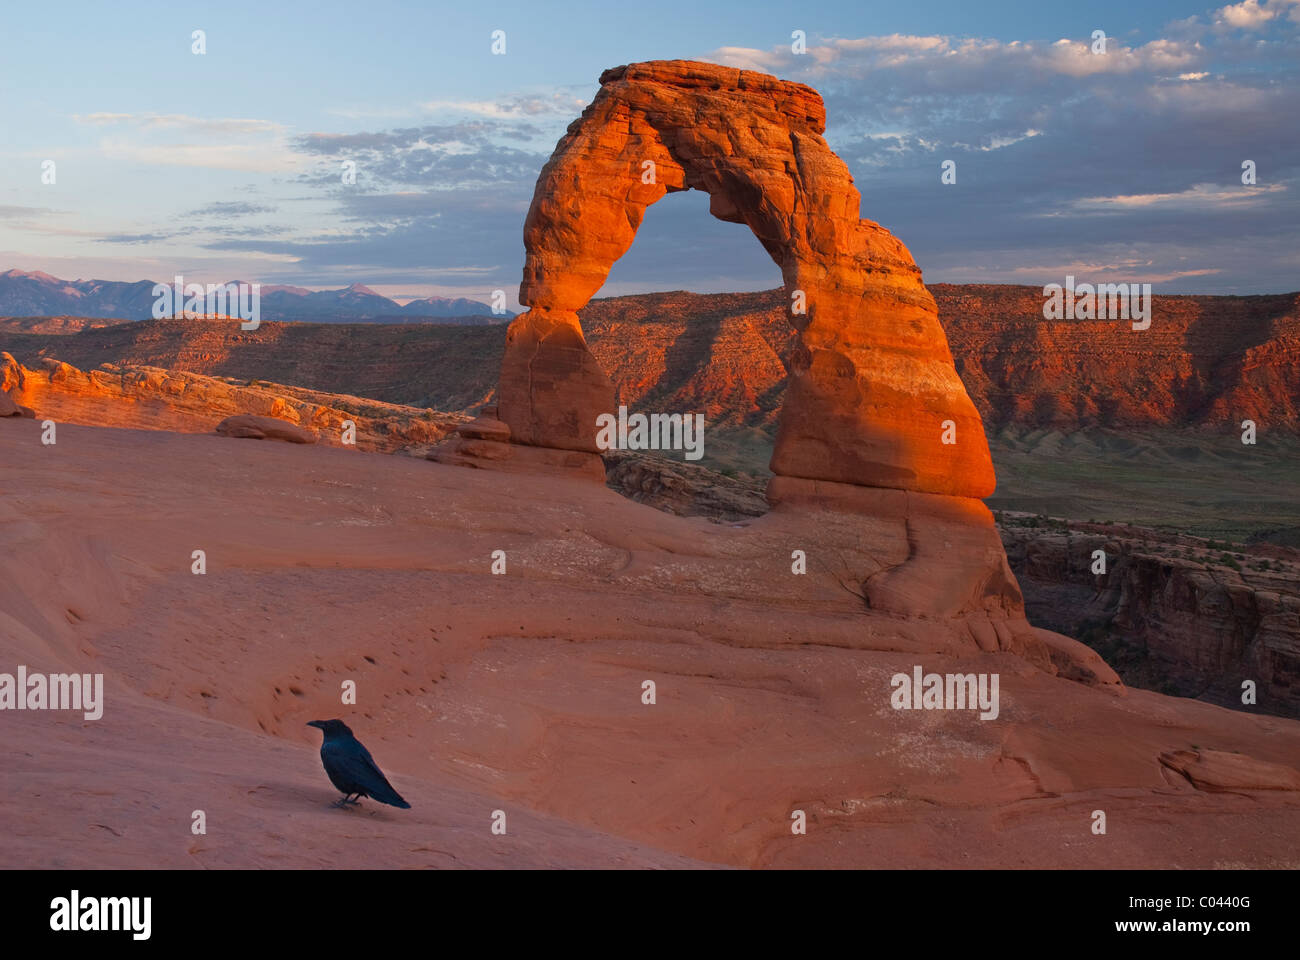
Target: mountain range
(37,294)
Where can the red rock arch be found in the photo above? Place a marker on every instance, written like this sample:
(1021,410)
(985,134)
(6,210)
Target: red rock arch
(872,381)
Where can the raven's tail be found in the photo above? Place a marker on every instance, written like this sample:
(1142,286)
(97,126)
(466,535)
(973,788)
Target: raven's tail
(386,794)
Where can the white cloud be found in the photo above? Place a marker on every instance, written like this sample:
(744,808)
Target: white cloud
(748,58)
(180,121)
(1201,195)
(1254,14)
(247,157)
(516,107)
(179,140)
(1246,15)
(1065,57)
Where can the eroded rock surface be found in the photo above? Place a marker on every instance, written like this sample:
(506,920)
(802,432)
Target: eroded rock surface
(151,398)
(1220,771)
(1170,611)
(522,691)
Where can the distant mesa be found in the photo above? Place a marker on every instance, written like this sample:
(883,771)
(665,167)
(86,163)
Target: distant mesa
(36,294)
(1206,361)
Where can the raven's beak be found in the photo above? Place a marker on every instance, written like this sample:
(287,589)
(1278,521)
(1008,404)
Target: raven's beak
(316,723)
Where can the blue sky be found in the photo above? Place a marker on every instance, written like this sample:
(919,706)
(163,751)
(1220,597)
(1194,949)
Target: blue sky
(226,165)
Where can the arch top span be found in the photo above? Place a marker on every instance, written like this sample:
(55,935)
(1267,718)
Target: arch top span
(873,396)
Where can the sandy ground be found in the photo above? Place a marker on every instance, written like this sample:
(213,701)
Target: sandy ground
(522,692)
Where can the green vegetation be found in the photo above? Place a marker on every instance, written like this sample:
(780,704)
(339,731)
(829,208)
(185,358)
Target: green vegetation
(1232,492)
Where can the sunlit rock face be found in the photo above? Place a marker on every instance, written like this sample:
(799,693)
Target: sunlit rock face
(873,394)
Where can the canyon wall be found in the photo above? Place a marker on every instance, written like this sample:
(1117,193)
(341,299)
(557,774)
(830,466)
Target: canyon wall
(1179,614)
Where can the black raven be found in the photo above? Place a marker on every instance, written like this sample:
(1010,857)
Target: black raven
(351,768)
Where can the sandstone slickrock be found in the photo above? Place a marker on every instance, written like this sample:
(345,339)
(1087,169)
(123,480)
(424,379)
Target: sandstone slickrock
(1077,661)
(485,442)
(779,686)
(1219,771)
(252,427)
(683,489)
(872,381)
(919,555)
(474,449)
(144,397)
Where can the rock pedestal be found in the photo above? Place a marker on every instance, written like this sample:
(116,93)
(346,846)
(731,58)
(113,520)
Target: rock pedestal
(484,442)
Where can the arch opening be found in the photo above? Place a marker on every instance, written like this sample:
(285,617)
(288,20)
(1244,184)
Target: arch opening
(681,245)
(708,336)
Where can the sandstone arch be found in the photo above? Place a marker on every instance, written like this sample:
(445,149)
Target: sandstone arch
(872,381)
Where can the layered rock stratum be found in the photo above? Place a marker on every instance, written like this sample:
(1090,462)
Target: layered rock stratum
(1206,361)
(1180,614)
